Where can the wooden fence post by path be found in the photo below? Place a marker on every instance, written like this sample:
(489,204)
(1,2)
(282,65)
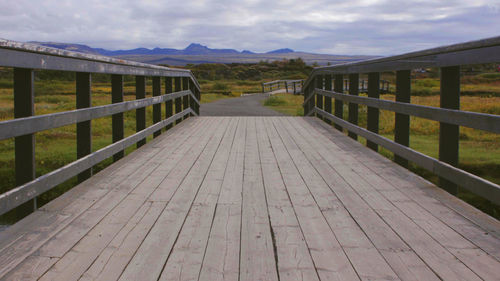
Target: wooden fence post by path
(185,99)
(319,98)
(402,121)
(373,112)
(140,113)
(156,107)
(117,118)
(339,106)
(84,128)
(448,133)
(353,107)
(24,106)
(178,101)
(169,112)
(328,100)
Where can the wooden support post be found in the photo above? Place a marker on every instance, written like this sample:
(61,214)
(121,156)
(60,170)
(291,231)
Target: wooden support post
(117,119)
(353,107)
(372,112)
(449,134)
(156,107)
(286,87)
(83,129)
(339,106)
(312,100)
(319,98)
(294,88)
(192,103)
(263,88)
(198,96)
(185,99)
(305,104)
(328,100)
(178,101)
(168,104)
(24,106)
(140,113)
(402,122)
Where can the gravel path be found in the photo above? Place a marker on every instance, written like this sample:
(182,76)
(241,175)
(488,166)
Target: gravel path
(243,106)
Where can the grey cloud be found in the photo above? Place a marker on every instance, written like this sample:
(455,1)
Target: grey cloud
(341,27)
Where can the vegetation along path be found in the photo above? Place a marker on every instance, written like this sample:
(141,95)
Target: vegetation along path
(250,105)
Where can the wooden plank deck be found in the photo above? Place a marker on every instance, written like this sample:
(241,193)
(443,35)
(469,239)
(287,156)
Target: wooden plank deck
(253,198)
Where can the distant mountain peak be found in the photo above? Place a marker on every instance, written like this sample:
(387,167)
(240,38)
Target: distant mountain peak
(281,51)
(195,48)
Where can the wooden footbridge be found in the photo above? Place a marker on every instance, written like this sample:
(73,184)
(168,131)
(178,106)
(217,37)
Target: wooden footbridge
(248,198)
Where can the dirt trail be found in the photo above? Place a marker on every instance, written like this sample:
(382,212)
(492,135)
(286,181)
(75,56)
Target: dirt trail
(243,106)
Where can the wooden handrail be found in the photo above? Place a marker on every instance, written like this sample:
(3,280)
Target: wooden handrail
(318,91)
(295,86)
(26,58)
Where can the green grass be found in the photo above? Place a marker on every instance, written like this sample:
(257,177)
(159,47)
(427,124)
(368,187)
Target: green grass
(287,104)
(207,98)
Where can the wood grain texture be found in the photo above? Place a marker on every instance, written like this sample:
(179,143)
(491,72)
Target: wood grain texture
(253,198)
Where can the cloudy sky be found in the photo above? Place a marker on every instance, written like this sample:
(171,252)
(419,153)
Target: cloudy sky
(370,27)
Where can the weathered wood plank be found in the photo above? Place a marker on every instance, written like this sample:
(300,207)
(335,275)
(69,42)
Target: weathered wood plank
(89,195)
(472,224)
(329,258)
(367,261)
(293,258)
(222,256)
(121,255)
(154,251)
(466,251)
(186,259)
(401,258)
(74,263)
(421,242)
(257,256)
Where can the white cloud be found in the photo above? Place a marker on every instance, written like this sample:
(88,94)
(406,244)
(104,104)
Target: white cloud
(340,27)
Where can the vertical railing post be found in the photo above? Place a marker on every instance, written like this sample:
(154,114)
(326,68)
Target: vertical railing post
(286,87)
(178,101)
(328,100)
(312,100)
(339,106)
(169,104)
(402,122)
(140,113)
(449,134)
(372,112)
(353,107)
(83,129)
(319,98)
(198,96)
(294,88)
(117,118)
(185,99)
(156,107)
(24,106)
(192,103)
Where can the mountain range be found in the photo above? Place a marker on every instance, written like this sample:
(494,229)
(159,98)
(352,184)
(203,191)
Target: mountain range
(197,53)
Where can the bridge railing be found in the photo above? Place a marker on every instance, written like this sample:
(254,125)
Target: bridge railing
(293,86)
(318,95)
(363,86)
(26,58)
